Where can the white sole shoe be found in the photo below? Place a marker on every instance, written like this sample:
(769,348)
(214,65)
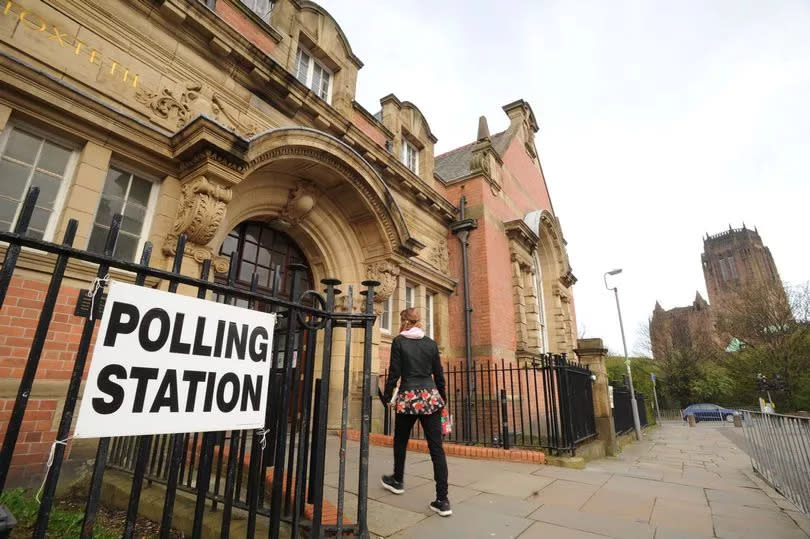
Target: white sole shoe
(441,513)
(392,489)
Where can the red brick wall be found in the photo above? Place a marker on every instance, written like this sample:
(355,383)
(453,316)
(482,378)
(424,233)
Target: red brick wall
(252,31)
(18,321)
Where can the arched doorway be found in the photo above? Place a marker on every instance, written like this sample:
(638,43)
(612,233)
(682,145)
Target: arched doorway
(257,248)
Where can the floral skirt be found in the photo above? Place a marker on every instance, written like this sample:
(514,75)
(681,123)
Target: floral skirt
(419,401)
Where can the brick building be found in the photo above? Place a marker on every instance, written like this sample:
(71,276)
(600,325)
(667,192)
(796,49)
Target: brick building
(235,123)
(732,260)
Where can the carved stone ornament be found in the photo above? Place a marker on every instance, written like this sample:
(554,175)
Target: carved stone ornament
(300,201)
(439,257)
(199,215)
(167,103)
(230,120)
(386,274)
(186,101)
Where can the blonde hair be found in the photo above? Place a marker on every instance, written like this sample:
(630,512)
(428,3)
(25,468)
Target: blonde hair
(409,318)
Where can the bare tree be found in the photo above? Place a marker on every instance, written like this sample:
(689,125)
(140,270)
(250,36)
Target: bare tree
(643,344)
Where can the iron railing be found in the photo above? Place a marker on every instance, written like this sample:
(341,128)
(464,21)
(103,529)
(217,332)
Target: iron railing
(623,409)
(547,404)
(228,468)
(779,447)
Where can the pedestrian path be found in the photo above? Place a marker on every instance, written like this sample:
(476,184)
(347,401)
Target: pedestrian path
(679,482)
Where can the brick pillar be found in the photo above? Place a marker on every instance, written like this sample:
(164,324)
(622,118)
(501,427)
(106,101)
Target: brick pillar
(592,352)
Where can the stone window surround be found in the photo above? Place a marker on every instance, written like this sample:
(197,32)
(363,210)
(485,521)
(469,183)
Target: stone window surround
(150,208)
(68,177)
(530,331)
(314,60)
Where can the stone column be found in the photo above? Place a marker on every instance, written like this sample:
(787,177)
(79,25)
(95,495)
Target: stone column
(592,352)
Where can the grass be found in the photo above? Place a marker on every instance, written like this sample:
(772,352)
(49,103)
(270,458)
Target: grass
(66,517)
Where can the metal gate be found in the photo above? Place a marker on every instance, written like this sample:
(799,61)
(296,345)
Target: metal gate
(277,473)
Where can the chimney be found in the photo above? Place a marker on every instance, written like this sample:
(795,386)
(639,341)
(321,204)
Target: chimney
(483,129)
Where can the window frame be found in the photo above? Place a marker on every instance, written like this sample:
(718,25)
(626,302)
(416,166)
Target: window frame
(151,204)
(266,17)
(67,178)
(406,145)
(429,314)
(311,72)
(388,305)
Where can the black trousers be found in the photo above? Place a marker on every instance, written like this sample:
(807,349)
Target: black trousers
(432,427)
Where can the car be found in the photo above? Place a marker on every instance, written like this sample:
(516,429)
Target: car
(709,412)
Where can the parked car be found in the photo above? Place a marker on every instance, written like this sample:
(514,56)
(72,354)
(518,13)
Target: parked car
(709,412)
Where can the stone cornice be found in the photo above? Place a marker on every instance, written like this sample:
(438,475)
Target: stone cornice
(371,118)
(520,232)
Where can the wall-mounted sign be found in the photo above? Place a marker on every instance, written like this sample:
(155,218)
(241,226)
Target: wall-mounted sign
(166,363)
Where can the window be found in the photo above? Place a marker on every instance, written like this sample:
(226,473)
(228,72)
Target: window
(262,8)
(723,270)
(732,266)
(385,317)
(132,197)
(28,160)
(312,73)
(408,296)
(429,314)
(410,156)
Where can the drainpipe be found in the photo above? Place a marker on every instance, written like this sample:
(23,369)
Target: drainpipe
(461,229)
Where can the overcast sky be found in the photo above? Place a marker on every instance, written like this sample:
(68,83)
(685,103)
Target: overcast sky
(659,121)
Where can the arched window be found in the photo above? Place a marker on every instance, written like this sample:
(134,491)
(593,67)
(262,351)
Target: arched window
(261,249)
(267,252)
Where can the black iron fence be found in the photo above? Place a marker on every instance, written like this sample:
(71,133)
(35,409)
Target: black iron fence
(623,409)
(277,474)
(547,404)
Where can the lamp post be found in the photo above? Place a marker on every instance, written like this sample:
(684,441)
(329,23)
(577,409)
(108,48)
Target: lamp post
(633,402)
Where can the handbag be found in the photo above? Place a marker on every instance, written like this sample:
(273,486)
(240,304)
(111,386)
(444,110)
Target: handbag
(447,421)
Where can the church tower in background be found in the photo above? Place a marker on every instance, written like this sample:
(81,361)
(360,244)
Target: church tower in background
(733,260)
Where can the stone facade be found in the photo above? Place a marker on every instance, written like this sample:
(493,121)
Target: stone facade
(735,259)
(681,328)
(225,117)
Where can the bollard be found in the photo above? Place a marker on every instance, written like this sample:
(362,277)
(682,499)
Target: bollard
(691,420)
(738,421)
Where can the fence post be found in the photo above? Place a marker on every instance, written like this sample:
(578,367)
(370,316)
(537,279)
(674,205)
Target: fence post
(504,420)
(591,353)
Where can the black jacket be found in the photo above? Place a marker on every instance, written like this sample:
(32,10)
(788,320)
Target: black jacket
(417,362)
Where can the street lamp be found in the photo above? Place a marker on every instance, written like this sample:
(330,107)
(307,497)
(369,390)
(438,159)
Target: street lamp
(633,402)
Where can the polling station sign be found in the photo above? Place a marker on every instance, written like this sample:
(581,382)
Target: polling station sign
(166,363)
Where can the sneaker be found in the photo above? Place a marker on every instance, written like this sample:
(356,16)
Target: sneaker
(442,507)
(388,482)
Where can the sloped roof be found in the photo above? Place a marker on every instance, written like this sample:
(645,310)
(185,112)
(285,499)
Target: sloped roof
(456,163)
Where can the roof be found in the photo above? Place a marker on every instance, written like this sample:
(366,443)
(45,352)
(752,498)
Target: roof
(456,163)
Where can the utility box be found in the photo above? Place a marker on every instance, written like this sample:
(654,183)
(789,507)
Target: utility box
(691,420)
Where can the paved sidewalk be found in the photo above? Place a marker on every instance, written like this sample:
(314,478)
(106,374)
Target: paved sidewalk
(679,482)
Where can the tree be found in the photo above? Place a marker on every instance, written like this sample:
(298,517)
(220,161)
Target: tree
(643,345)
(772,323)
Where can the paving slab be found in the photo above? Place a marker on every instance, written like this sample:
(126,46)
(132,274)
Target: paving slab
(544,530)
(680,516)
(467,521)
(588,522)
(634,507)
(588,476)
(563,493)
(511,484)
(507,505)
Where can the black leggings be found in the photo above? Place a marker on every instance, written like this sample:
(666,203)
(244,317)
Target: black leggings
(432,426)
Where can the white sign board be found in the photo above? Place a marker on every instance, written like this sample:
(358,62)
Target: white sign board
(610,396)
(166,363)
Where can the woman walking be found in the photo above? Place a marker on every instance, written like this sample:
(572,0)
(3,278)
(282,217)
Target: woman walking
(415,364)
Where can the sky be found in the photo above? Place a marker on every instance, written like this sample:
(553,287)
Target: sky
(659,120)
